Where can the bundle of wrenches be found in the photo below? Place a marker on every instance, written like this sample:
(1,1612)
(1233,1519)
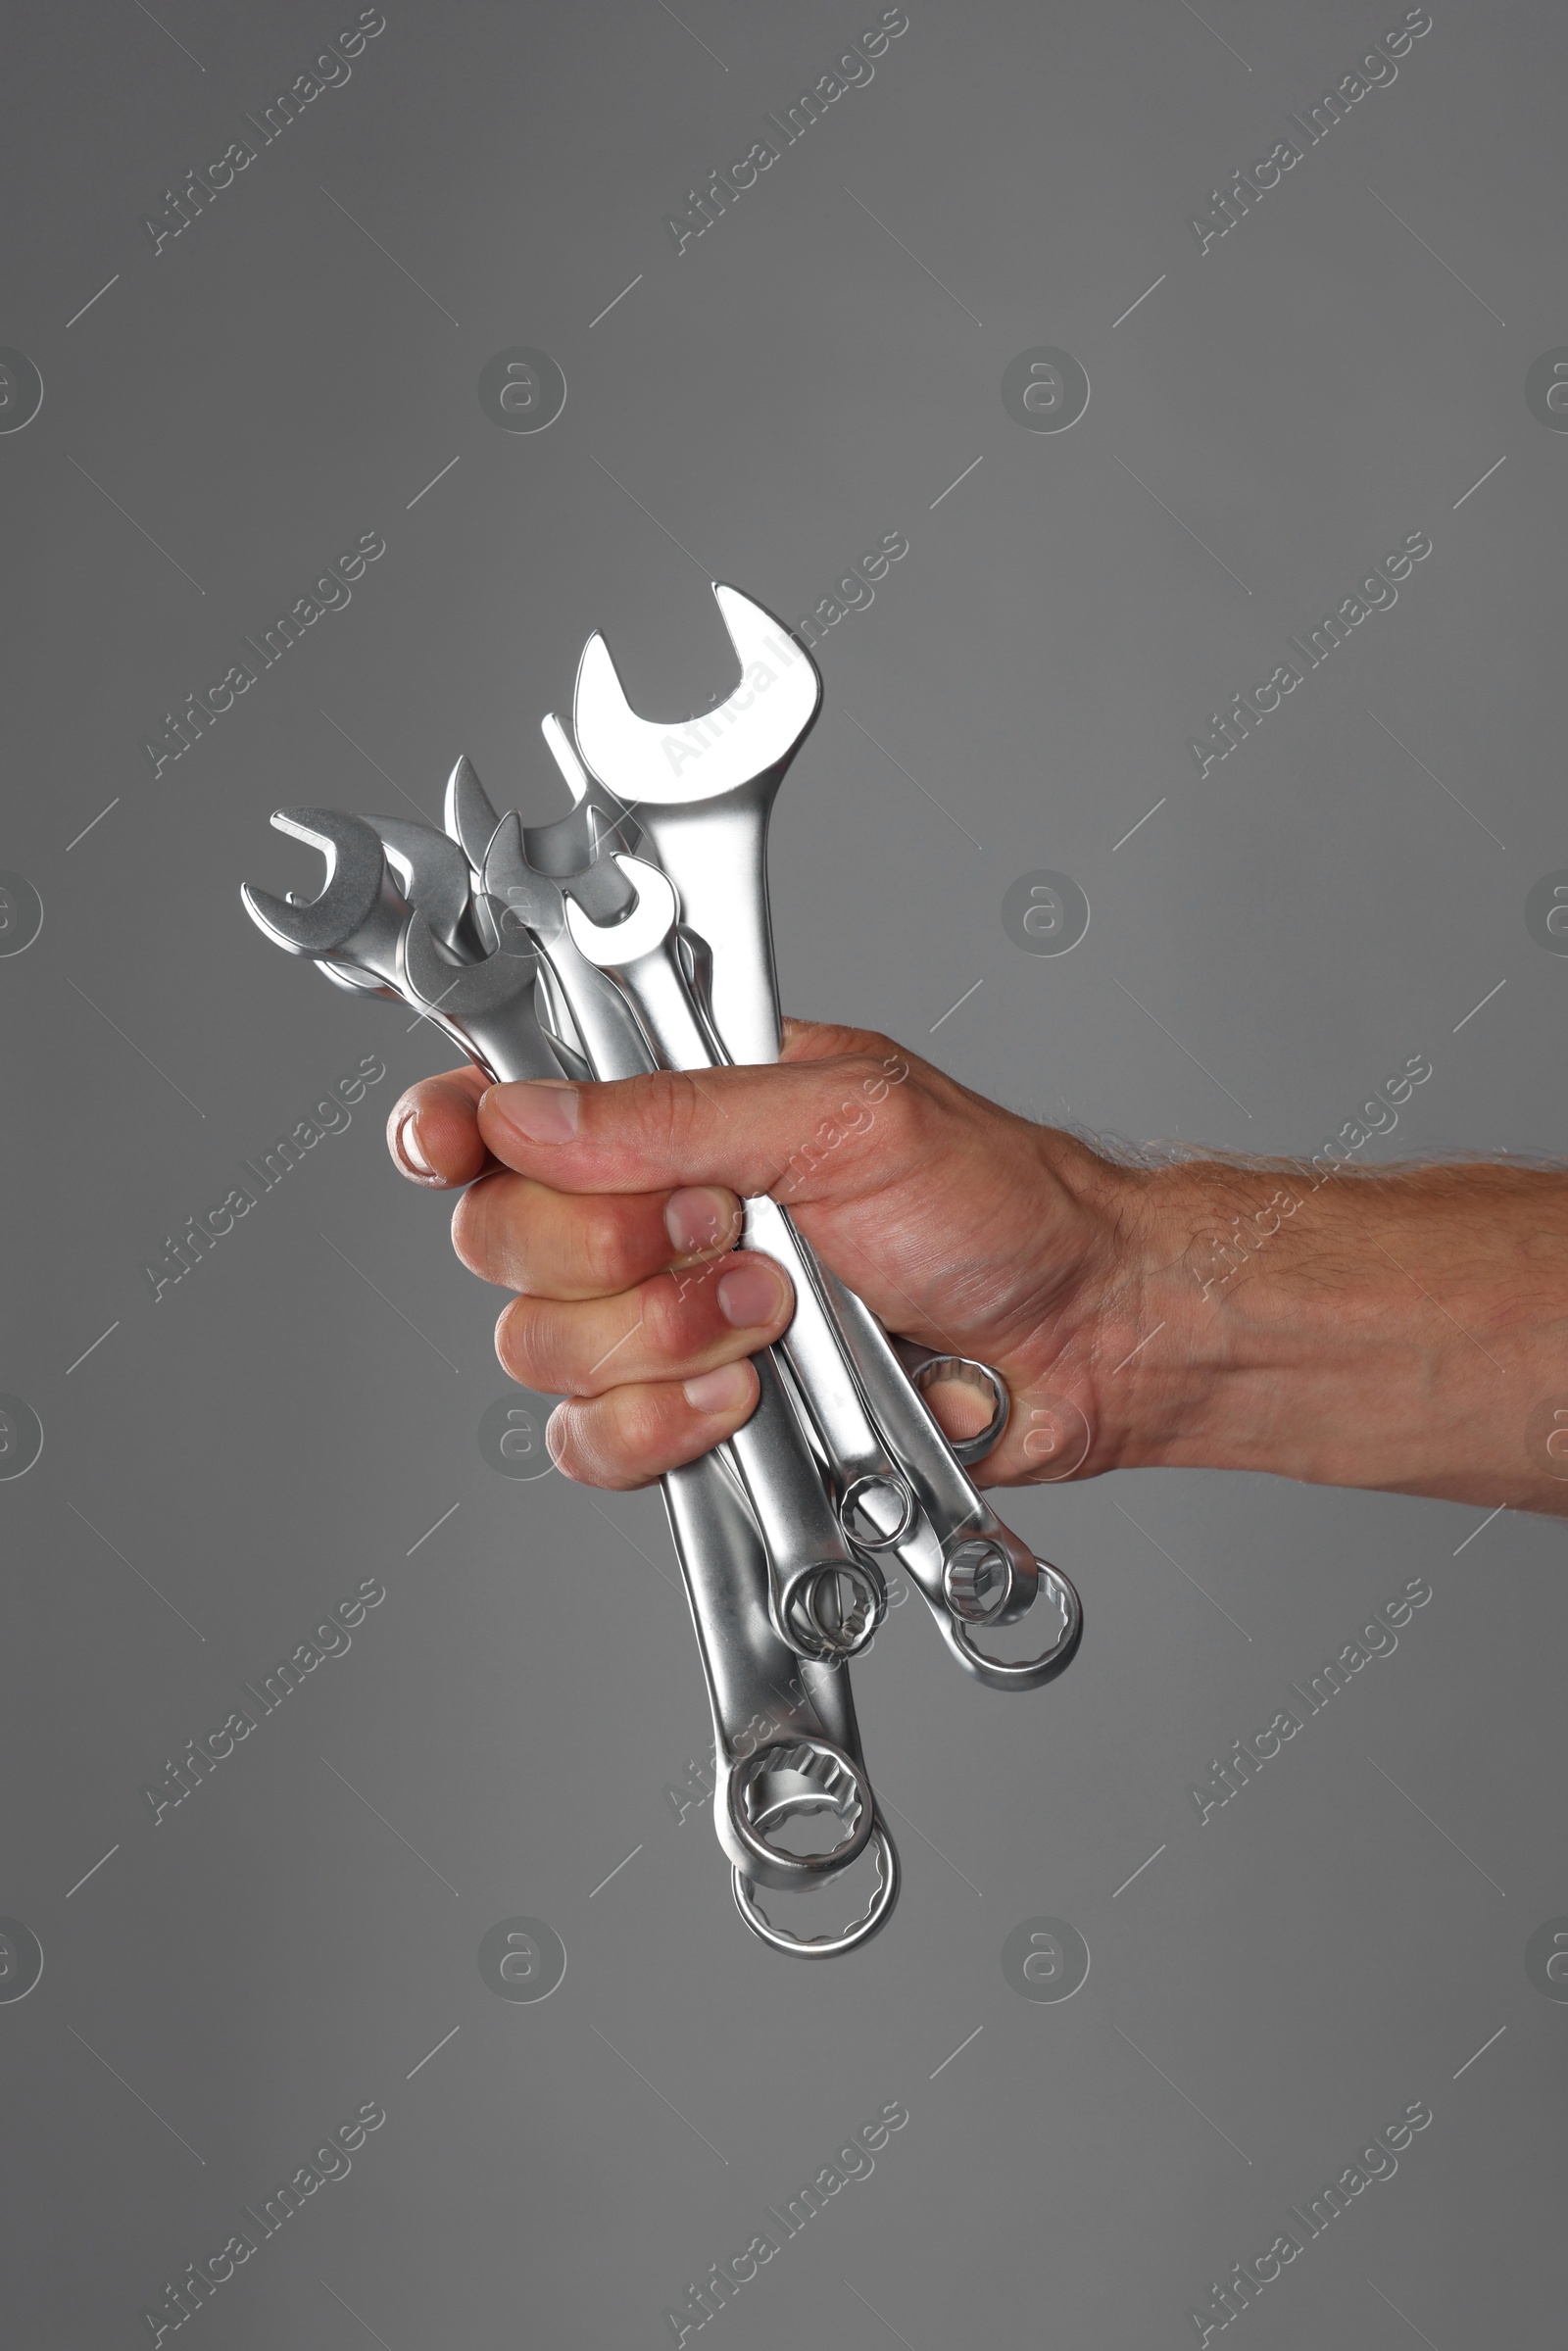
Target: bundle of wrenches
(633,935)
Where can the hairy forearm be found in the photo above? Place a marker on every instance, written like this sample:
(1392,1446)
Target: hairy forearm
(1404,1330)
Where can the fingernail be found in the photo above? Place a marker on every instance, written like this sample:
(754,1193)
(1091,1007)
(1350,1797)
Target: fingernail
(542,1110)
(405,1144)
(719,1392)
(748,1296)
(700,1217)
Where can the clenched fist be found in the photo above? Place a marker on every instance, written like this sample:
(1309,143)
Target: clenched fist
(610,1212)
(1405,1327)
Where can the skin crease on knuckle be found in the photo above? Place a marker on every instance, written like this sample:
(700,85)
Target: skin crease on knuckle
(629,1436)
(534,1346)
(510,1230)
(668,1329)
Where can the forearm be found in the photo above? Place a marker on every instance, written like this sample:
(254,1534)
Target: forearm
(1405,1329)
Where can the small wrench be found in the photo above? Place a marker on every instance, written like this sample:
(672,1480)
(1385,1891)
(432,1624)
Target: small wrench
(969,1566)
(812,1549)
(361,923)
(436,877)
(566,846)
(642,955)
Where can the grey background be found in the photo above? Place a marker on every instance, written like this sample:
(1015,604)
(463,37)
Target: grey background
(231,1983)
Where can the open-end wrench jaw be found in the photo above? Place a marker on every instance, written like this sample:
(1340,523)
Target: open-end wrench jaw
(586,1007)
(703,792)
(436,877)
(486,1007)
(652,913)
(358,914)
(580,841)
(750,736)
(465,990)
(468,812)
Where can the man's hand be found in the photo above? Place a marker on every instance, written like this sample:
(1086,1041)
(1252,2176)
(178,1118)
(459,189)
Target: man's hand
(1404,1327)
(611,1210)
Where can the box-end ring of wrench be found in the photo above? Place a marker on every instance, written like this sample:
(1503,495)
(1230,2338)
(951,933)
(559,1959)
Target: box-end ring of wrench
(776,1756)
(928,1369)
(829,1689)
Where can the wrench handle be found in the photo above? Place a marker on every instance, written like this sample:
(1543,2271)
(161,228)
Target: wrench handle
(804,1539)
(656,989)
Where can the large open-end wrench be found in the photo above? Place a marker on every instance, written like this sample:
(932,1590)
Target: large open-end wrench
(726,767)
(703,792)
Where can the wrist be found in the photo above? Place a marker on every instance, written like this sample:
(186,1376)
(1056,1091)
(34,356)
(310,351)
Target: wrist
(1389,1329)
(1229,1323)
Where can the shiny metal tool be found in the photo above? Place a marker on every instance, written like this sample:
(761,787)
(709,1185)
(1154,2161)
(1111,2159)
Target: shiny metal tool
(970,1568)
(828,1597)
(436,877)
(778,1762)
(828,1687)
(361,923)
(703,792)
(642,955)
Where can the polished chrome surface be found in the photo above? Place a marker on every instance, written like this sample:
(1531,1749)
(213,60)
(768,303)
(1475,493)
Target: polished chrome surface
(642,955)
(703,791)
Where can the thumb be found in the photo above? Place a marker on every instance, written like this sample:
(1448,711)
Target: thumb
(789,1129)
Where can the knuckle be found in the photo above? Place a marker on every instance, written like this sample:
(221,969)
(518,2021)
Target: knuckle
(640,1418)
(600,1444)
(602,1247)
(673,1109)
(563,1436)
(670,1314)
(659,1319)
(654,1114)
(529,1347)
(864,1074)
(483,1232)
